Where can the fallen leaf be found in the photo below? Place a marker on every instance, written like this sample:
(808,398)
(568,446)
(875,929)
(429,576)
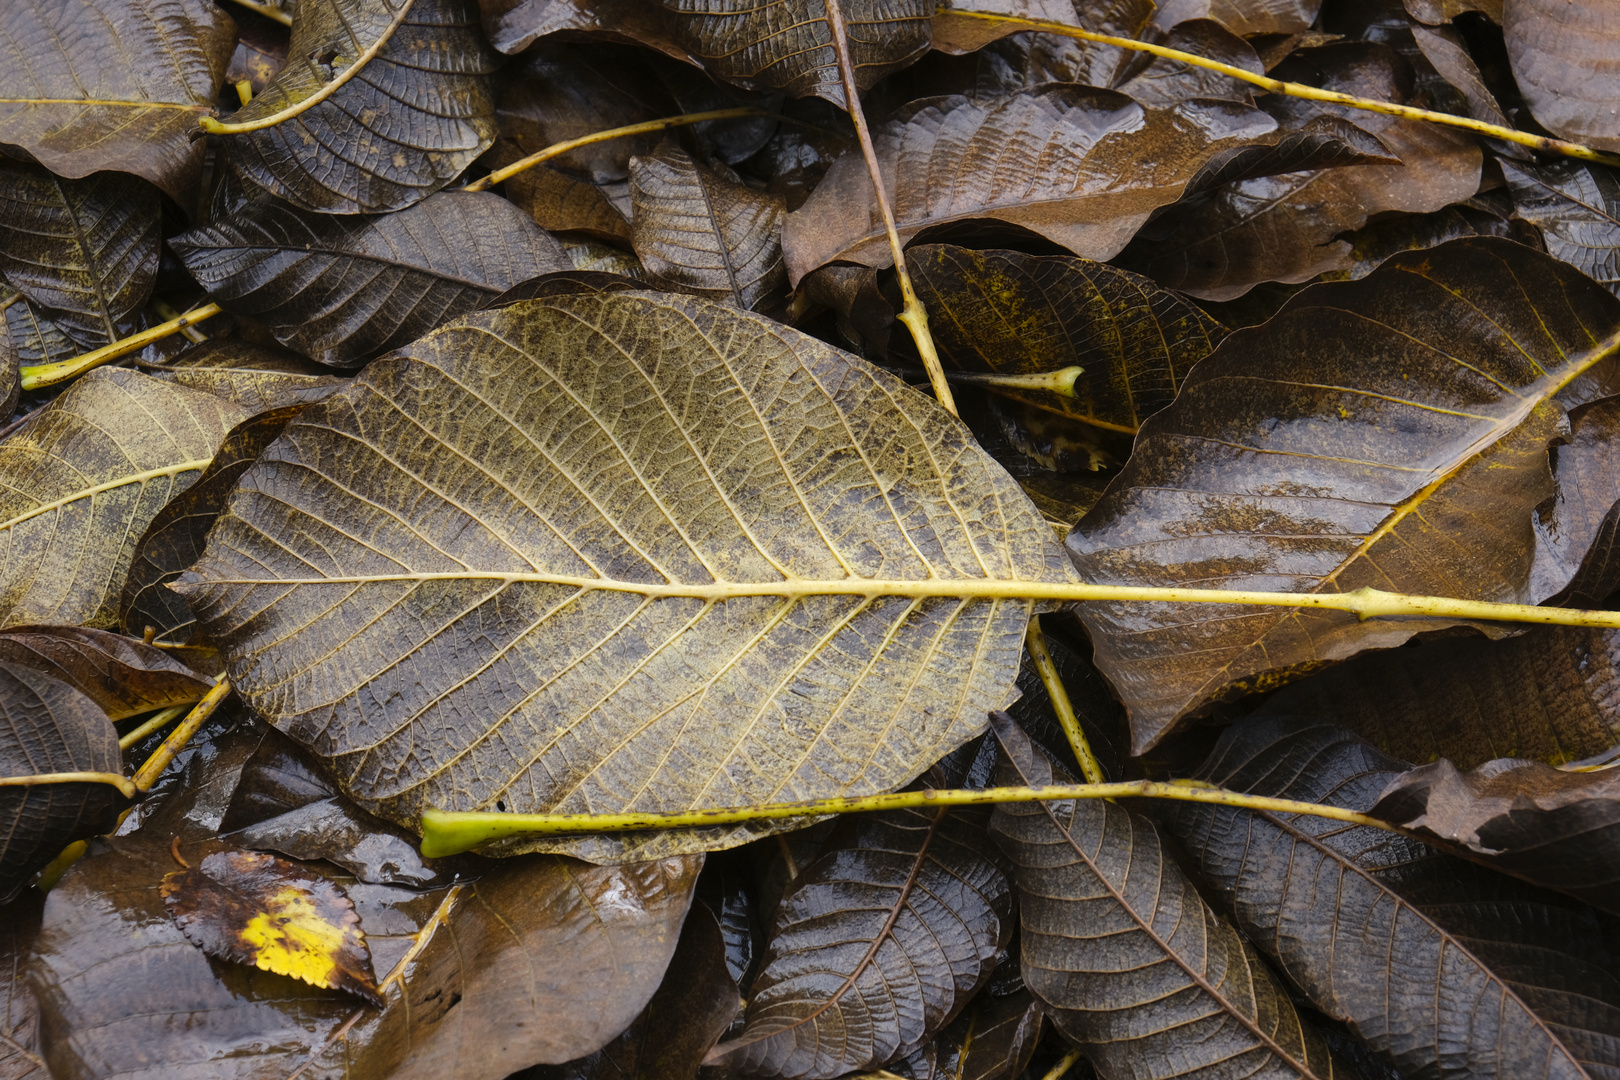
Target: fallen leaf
(1576,558)
(1577,208)
(995,1038)
(257,377)
(1563,60)
(123,676)
(1242,16)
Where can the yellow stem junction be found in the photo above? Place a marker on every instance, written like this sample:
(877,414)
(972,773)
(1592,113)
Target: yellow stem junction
(447,832)
(41,375)
(157,722)
(1061,1069)
(1035,642)
(117,780)
(148,773)
(643,128)
(1300,90)
(214,127)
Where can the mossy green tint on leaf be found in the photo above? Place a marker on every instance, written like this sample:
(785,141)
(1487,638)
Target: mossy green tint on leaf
(568,556)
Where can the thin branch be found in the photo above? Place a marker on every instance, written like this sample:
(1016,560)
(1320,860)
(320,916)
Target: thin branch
(214,127)
(1300,90)
(1061,1069)
(1035,642)
(153,767)
(157,722)
(42,375)
(913,314)
(451,832)
(117,780)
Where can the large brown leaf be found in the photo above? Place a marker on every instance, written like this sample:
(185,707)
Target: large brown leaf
(339,289)
(1577,208)
(1445,969)
(81,479)
(1390,432)
(1017,314)
(1086,168)
(995,1038)
(1566,60)
(34,338)
(46,726)
(86,250)
(878,944)
(88,85)
(1128,960)
(123,676)
(625,504)
(412,119)
(700,230)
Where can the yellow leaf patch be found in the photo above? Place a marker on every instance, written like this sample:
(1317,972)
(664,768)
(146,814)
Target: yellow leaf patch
(254,908)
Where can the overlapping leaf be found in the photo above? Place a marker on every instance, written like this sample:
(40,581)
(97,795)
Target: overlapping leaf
(698,230)
(257,377)
(339,289)
(1128,960)
(46,726)
(876,947)
(1577,558)
(1577,208)
(123,676)
(624,504)
(995,1038)
(88,85)
(1447,971)
(405,126)
(82,477)
(32,336)
(1410,458)
(1563,58)
(86,250)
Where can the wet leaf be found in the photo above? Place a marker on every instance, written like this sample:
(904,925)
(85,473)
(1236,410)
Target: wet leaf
(277,777)
(253,908)
(173,540)
(340,289)
(1577,208)
(1563,60)
(261,51)
(878,944)
(564,455)
(1446,50)
(86,250)
(35,338)
(559,202)
(1242,16)
(405,126)
(1092,166)
(700,230)
(1016,314)
(995,1038)
(46,726)
(1446,970)
(82,478)
(10,366)
(88,85)
(1119,18)
(1416,428)
(1128,960)
(258,377)
(1557,829)
(123,676)
(1576,556)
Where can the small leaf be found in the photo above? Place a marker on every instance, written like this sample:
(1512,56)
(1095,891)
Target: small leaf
(253,908)
(46,726)
(1577,208)
(1563,61)
(123,676)
(405,126)
(257,377)
(1577,557)
(993,1040)
(1557,829)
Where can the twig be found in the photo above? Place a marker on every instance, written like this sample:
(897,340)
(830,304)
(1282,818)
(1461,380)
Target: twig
(153,767)
(117,780)
(1035,642)
(157,722)
(1061,1069)
(42,375)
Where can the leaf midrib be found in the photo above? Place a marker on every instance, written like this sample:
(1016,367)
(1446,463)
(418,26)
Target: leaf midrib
(193,465)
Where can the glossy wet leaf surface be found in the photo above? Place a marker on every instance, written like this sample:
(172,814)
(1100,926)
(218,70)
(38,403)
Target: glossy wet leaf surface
(125,677)
(1563,60)
(1577,208)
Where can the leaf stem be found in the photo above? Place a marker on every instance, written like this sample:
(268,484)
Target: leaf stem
(1060,381)
(266,10)
(117,780)
(913,314)
(153,767)
(1312,93)
(214,127)
(157,722)
(1061,1069)
(447,832)
(1035,642)
(558,149)
(42,375)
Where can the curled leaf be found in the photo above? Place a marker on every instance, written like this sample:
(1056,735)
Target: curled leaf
(124,676)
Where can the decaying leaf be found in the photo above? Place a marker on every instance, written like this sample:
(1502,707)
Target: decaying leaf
(1242,16)
(405,126)
(339,289)
(1577,560)
(253,908)
(622,503)
(19,1012)
(561,203)
(33,336)
(1577,208)
(82,478)
(1563,58)
(257,377)
(995,1038)
(1557,829)
(124,676)
(698,230)
(876,947)
(954,33)
(1413,429)
(86,250)
(92,85)
(1127,959)
(46,726)
(1017,314)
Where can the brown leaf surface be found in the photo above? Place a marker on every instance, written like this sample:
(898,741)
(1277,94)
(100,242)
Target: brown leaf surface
(19,1012)
(1566,60)
(88,85)
(1577,208)
(1409,429)
(251,908)
(81,479)
(561,203)
(413,118)
(878,944)
(33,337)
(995,1038)
(123,676)
(1242,16)
(563,455)
(85,250)
(1117,18)
(1577,559)
(257,377)
(697,229)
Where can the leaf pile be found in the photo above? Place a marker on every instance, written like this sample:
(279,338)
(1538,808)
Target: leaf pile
(511,463)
